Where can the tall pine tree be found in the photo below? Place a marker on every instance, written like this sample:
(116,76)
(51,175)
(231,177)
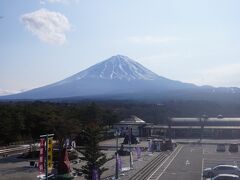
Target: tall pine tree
(94,158)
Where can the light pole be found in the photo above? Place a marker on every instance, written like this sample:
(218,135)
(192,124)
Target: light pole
(116,134)
(130,149)
(170,128)
(203,120)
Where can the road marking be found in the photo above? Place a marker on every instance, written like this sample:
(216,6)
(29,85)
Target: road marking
(204,151)
(202,164)
(202,168)
(164,162)
(169,162)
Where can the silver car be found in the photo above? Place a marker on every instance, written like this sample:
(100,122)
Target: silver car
(221,169)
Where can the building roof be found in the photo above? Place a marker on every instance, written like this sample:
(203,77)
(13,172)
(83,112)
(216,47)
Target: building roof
(185,119)
(132,120)
(191,127)
(225,119)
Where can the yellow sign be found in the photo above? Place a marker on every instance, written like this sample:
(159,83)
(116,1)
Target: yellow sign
(50,153)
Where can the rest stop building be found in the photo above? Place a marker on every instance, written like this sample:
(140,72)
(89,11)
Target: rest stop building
(184,127)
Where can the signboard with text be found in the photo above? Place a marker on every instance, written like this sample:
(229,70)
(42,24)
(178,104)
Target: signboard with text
(50,153)
(41,156)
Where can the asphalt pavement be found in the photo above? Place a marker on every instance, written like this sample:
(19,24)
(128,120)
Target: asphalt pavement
(185,163)
(188,161)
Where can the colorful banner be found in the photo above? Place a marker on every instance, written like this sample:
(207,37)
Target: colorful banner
(50,153)
(41,156)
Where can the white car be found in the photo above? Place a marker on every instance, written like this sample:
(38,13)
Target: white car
(221,169)
(225,177)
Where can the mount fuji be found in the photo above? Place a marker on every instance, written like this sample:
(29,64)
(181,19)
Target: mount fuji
(118,76)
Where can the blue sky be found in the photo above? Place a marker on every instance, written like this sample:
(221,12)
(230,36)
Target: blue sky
(44,41)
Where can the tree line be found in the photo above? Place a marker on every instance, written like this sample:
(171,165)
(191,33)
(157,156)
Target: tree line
(27,120)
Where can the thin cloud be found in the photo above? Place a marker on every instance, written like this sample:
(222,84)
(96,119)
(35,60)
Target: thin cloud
(152,39)
(4,92)
(224,75)
(166,56)
(48,26)
(58,1)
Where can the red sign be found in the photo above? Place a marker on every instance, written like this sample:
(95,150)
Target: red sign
(41,156)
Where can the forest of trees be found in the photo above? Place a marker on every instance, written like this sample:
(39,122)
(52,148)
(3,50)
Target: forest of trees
(28,120)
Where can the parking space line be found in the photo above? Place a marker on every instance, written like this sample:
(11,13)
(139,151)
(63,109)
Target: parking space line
(164,162)
(169,163)
(222,160)
(204,151)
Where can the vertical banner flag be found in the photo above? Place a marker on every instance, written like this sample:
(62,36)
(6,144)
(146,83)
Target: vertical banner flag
(66,143)
(138,151)
(119,163)
(131,154)
(73,144)
(41,156)
(95,174)
(50,154)
(150,145)
(129,135)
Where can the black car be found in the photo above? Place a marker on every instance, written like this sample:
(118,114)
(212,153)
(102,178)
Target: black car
(233,148)
(221,148)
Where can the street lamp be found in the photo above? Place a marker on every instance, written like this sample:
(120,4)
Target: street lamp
(169,128)
(116,134)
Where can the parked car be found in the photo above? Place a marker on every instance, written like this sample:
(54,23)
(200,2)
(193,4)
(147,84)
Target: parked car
(220,169)
(221,148)
(225,177)
(233,148)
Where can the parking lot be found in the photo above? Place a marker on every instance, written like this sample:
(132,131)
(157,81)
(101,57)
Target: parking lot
(212,158)
(188,161)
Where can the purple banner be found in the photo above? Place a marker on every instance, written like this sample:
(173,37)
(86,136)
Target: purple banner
(150,145)
(119,163)
(95,175)
(138,151)
(130,135)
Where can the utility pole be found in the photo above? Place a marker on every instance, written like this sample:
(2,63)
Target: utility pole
(117,133)
(130,147)
(170,129)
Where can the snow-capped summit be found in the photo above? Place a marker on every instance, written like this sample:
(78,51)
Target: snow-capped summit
(116,75)
(116,67)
